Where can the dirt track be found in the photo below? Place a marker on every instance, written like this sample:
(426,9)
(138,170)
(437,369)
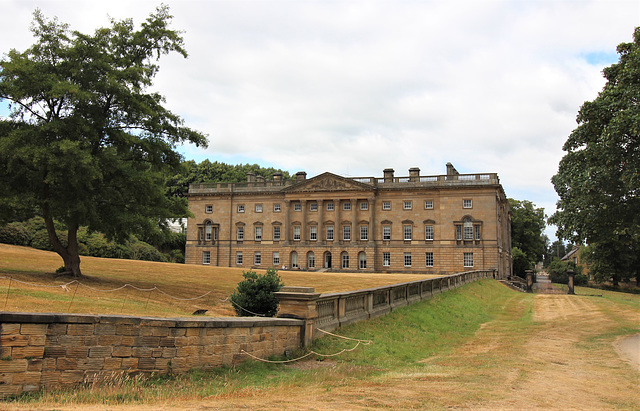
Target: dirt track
(565,359)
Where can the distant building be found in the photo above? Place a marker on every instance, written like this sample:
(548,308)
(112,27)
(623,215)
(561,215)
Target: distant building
(178,225)
(438,224)
(575,256)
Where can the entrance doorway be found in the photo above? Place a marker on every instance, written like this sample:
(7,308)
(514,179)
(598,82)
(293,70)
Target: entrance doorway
(327,260)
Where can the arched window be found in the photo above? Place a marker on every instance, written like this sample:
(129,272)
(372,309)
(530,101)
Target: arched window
(468,229)
(311,259)
(345,260)
(362,260)
(294,260)
(208,231)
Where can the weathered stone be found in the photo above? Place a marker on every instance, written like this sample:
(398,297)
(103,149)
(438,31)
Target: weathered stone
(33,329)
(64,364)
(55,351)
(100,352)
(24,378)
(14,340)
(13,366)
(121,351)
(7,329)
(147,363)
(141,352)
(104,329)
(127,329)
(80,329)
(24,352)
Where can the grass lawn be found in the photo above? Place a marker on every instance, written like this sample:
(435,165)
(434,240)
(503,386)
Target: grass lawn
(172,280)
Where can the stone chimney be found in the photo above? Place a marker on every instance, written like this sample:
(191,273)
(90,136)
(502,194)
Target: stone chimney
(277,177)
(260,179)
(388,175)
(251,177)
(451,170)
(414,174)
(301,175)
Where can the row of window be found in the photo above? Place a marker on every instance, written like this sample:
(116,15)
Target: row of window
(364,205)
(465,231)
(344,259)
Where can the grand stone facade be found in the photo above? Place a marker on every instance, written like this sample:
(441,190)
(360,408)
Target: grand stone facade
(438,224)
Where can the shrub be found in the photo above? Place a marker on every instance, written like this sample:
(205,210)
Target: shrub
(15,233)
(41,241)
(254,295)
(143,251)
(558,273)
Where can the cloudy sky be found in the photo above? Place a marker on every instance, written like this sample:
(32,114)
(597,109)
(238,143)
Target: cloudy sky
(353,87)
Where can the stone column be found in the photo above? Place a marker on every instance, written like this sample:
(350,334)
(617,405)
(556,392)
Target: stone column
(529,280)
(372,231)
(284,235)
(303,228)
(355,230)
(321,235)
(300,303)
(571,274)
(337,233)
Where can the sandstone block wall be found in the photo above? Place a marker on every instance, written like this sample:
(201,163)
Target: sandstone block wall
(42,351)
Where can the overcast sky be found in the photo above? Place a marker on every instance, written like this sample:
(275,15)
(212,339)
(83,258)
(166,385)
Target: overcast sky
(353,87)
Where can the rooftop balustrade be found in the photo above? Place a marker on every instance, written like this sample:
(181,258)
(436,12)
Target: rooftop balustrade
(375,182)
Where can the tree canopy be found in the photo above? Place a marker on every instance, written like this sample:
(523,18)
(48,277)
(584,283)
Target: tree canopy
(527,234)
(598,179)
(86,143)
(207,171)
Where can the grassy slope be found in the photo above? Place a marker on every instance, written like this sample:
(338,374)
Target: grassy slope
(179,280)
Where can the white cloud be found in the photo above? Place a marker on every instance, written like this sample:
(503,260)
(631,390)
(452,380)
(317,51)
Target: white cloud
(356,87)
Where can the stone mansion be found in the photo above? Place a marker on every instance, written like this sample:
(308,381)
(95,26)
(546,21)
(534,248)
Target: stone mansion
(440,224)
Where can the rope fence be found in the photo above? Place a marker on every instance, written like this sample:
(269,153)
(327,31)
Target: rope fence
(358,343)
(67,288)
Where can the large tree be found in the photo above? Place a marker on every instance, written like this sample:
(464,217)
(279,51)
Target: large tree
(598,180)
(527,233)
(87,143)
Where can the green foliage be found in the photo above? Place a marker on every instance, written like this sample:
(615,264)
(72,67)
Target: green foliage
(527,230)
(254,295)
(557,249)
(15,233)
(143,251)
(521,262)
(87,144)
(598,180)
(41,241)
(191,172)
(558,272)
(611,261)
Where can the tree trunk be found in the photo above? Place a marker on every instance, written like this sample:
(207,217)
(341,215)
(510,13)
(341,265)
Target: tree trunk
(69,254)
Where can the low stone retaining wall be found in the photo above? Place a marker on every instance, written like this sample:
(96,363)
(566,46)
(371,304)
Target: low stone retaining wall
(42,351)
(330,311)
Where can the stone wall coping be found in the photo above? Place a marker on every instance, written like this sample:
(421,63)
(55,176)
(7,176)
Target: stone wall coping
(185,322)
(386,287)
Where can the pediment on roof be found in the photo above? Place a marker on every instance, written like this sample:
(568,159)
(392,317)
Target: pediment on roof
(328,182)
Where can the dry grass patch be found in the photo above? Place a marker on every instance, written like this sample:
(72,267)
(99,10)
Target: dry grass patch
(177,280)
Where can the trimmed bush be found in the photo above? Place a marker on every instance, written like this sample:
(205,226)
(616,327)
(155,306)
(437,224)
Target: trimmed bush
(15,233)
(143,251)
(254,295)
